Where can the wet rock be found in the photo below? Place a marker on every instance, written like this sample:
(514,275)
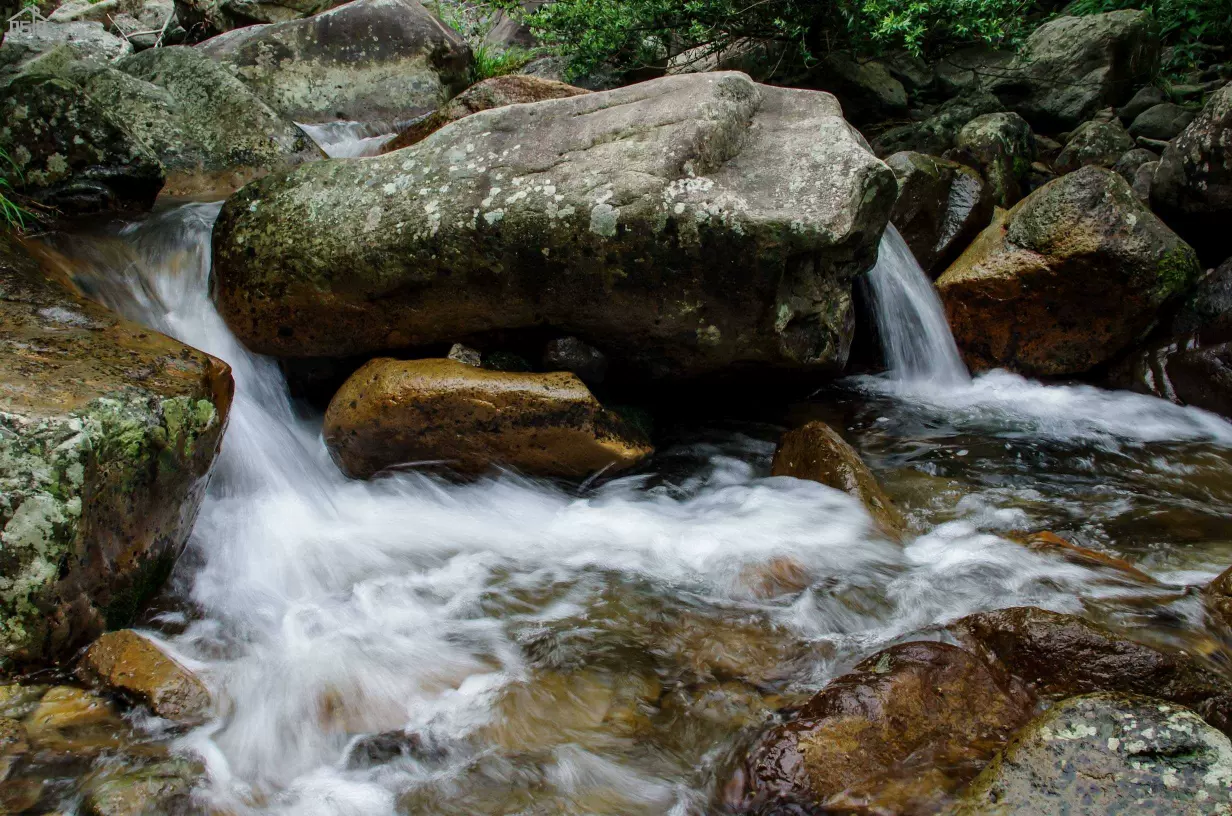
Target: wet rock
(1207,311)
(381,749)
(1064,655)
(865,88)
(1217,597)
(84,40)
(1053,543)
(14,745)
(1202,377)
(941,206)
(1097,143)
(1066,280)
(159,789)
(816,452)
(72,154)
(366,60)
(1071,67)
(1192,190)
(1107,753)
(571,354)
(205,18)
(392,412)
(1146,98)
(937,133)
(130,664)
(1002,147)
(107,432)
(570,213)
(1164,122)
(496,92)
(64,708)
(911,723)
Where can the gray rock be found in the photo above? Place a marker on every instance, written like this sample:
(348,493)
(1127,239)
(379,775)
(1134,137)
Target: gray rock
(1002,147)
(1162,122)
(1071,67)
(865,88)
(1144,180)
(153,23)
(206,18)
(158,789)
(690,221)
(366,60)
(465,354)
(89,41)
(1127,165)
(571,354)
(941,206)
(1097,143)
(507,32)
(971,69)
(1208,309)
(937,133)
(1148,97)
(1192,191)
(1103,754)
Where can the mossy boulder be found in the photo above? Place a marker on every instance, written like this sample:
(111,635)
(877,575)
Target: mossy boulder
(365,60)
(161,788)
(469,419)
(107,434)
(1107,753)
(1067,279)
(687,225)
(1101,143)
(941,206)
(1002,147)
(130,664)
(937,133)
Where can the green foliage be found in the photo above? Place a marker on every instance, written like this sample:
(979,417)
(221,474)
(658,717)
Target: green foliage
(1188,26)
(12,215)
(493,62)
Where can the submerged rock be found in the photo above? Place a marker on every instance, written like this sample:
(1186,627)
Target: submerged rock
(690,224)
(366,60)
(107,432)
(899,734)
(392,412)
(816,452)
(496,92)
(129,663)
(941,206)
(1103,754)
(1064,655)
(158,789)
(1066,280)
(1002,147)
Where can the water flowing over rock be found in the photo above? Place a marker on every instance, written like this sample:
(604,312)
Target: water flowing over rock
(1192,190)
(107,430)
(1107,753)
(130,664)
(687,225)
(496,92)
(1071,67)
(366,60)
(941,206)
(393,412)
(1071,276)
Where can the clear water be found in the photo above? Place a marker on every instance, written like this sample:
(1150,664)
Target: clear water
(613,649)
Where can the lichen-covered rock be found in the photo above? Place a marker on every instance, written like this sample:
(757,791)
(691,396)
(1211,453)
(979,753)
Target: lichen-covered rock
(1071,67)
(1103,754)
(686,225)
(1064,655)
(937,133)
(1095,142)
(816,452)
(941,206)
(496,92)
(205,18)
(1070,277)
(158,789)
(131,664)
(1192,190)
(1163,122)
(107,432)
(86,40)
(366,60)
(393,412)
(927,713)
(71,153)
(1130,161)
(1002,147)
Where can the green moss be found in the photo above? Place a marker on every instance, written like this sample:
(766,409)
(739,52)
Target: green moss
(1177,271)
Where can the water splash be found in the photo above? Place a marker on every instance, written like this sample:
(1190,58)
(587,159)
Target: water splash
(348,140)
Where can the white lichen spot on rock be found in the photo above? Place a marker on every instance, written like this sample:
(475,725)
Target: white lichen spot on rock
(373,219)
(603,219)
(494,216)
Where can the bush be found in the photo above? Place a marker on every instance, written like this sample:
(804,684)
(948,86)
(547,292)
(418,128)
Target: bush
(1189,27)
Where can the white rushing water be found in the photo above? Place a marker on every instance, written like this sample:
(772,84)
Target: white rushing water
(329,609)
(348,140)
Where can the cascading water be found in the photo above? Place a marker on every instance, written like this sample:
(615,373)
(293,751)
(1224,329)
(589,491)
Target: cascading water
(521,647)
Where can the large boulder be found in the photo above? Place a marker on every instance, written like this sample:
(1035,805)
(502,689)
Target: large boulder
(1101,143)
(866,89)
(1063,655)
(496,92)
(392,412)
(366,60)
(205,18)
(107,434)
(1192,190)
(1103,754)
(926,713)
(941,207)
(1163,122)
(1071,67)
(1070,277)
(86,40)
(685,226)
(1002,147)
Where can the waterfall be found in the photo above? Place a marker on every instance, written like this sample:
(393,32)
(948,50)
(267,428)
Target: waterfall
(915,336)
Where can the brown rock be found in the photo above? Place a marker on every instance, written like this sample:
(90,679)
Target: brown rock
(496,92)
(941,206)
(1051,542)
(816,452)
(1218,598)
(129,663)
(395,411)
(908,726)
(1065,655)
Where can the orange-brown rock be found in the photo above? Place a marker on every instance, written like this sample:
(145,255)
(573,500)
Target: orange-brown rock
(1218,598)
(1046,541)
(906,728)
(496,92)
(393,412)
(132,665)
(816,452)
